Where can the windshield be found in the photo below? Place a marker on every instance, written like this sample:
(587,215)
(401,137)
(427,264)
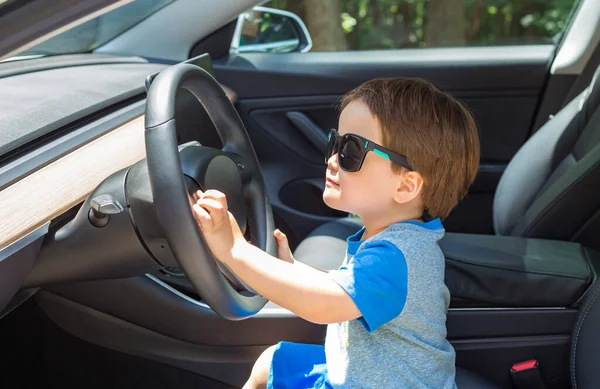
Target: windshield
(92,34)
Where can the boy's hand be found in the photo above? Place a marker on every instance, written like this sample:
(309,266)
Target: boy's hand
(219,227)
(302,289)
(283,248)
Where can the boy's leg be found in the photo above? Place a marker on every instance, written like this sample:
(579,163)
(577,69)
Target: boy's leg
(260,372)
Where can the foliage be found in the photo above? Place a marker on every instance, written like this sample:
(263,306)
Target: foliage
(389,24)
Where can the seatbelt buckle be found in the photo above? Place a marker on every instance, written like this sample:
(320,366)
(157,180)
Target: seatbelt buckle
(526,375)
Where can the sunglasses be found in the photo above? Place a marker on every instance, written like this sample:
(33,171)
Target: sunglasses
(352,149)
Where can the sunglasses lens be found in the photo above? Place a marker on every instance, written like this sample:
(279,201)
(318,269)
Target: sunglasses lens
(351,153)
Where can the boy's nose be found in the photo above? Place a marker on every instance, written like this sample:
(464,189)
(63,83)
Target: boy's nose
(332,162)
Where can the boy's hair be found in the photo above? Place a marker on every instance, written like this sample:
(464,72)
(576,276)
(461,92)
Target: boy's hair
(432,129)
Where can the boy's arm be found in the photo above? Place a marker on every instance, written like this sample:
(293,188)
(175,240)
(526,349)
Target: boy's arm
(302,264)
(306,291)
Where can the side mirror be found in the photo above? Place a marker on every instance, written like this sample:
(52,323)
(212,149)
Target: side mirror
(270,30)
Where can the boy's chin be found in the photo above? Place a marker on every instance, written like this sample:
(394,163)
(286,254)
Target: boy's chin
(332,200)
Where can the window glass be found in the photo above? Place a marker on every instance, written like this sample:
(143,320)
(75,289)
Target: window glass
(88,36)
(396,24)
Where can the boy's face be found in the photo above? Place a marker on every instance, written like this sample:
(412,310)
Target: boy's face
(368,192)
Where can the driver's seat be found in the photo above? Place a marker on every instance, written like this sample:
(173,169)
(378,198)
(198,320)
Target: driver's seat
(549,190)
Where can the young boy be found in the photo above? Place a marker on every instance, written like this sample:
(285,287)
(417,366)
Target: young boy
(405,154)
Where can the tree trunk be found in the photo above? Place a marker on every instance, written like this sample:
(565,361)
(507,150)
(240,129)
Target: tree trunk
(297,7)
(405,18)
(445,23)
(476,19)
(375,11)
(324,25)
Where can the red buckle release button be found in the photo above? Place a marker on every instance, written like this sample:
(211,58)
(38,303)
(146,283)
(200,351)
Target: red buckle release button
(524,366)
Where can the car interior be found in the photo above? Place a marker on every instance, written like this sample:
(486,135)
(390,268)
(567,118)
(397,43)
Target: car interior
(106,280)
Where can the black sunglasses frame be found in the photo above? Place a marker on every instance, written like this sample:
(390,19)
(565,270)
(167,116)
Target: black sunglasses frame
(335,141)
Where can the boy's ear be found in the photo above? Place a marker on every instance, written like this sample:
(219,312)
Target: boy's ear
(410,184)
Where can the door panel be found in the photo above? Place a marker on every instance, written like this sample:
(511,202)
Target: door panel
(285,99)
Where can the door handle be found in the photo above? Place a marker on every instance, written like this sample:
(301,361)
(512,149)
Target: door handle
(311,131)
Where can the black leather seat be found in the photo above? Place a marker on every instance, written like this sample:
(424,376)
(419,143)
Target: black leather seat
(549,190)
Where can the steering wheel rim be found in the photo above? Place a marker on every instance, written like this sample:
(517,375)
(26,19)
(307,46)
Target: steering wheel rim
(172,202)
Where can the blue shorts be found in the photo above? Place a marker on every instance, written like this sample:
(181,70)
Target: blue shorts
(298,366)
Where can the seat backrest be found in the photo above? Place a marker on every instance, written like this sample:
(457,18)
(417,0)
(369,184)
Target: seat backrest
(551,187)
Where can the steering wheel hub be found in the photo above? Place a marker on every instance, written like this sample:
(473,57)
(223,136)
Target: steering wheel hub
(214,169)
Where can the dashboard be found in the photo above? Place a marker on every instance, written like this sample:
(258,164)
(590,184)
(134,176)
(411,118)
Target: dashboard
(65,125)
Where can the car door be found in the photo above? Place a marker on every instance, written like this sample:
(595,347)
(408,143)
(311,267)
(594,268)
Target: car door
(288,101)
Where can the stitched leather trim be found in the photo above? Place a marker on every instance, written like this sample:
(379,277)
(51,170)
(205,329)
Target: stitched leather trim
(578,326)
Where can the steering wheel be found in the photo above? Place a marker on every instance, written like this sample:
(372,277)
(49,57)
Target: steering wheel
(234,170)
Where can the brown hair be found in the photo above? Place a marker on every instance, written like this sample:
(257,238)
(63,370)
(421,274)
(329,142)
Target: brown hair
(432,129)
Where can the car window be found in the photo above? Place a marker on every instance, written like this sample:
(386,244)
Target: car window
(88,36)
(395,24)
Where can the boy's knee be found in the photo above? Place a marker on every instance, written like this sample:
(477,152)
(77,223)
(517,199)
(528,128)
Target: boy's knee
(260,371)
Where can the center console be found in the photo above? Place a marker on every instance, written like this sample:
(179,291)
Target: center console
(504,271)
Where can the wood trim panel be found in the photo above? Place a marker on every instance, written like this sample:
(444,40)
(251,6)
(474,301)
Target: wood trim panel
(66,182)
(57,187)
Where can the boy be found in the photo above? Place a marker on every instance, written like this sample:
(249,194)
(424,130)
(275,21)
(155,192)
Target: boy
(405,154)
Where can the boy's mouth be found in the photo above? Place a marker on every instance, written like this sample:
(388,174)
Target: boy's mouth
(331,182)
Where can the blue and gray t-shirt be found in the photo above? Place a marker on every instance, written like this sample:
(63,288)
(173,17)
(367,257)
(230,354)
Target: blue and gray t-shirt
(396,279)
